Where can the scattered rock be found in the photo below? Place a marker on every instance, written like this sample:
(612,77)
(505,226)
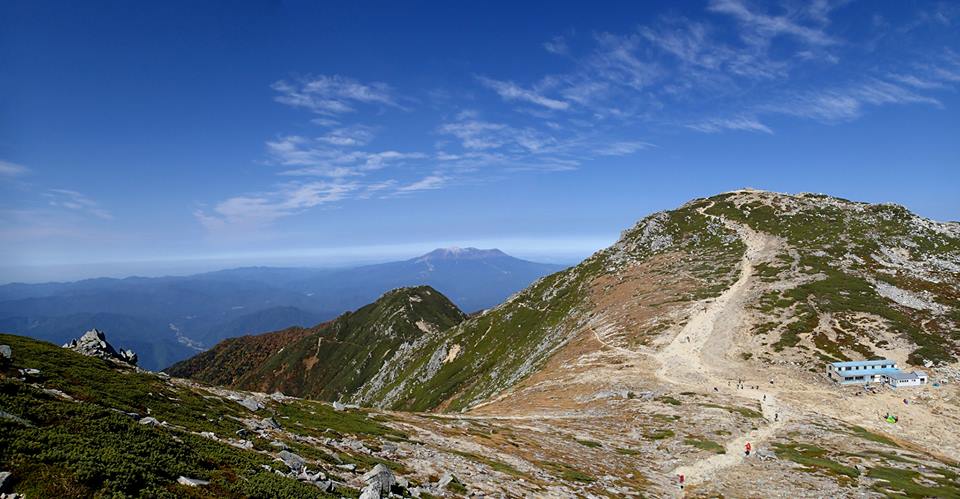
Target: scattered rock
(280,445)
(270,423)
(337,406)
(378,480)
(30,372)
(241,444)
(59,394)
(251,403)
(94,344)
(149,420)
(4,478)
(348,466)
(209,434)
(6,353)
(293,461)
(445,480)
(388,447)
(192,482)
(14,418)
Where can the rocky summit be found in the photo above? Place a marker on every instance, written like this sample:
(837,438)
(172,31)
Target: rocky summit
(94,344)
(689,358)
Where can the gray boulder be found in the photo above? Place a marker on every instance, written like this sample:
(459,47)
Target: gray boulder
(149,420)
(378,480)
(270,423)
(251,403)
(293,461)
(6,353)
(4,478)
(93,343)
(192,482)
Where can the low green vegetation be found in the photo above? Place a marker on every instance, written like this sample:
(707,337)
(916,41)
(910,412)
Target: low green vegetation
(317,419)
(494,464)
(826,233)
(704,444)
(589,443)
(60,448)
(666,399)
(566,472)
(814,459)
(743,411)
(896,482)
(659,434)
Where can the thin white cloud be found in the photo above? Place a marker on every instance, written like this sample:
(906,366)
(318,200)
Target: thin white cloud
(353,136)
(846,103)
(513,92)
(333,95)
(623,148)
(321,157)
(264,208)
(758,27)
(483,135)
(556,45)
(8,169)
(431,182)
(739,123)
(77,202)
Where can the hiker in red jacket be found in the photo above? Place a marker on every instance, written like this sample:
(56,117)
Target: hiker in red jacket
(747,449)
(681,478)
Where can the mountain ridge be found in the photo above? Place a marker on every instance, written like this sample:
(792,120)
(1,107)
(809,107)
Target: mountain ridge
(180,314)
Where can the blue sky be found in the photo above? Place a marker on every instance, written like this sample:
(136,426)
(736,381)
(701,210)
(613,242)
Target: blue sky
(145,138)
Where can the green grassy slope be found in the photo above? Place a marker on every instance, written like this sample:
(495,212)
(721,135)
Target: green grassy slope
(504,345)
(334,360)
(89,447)
(848,250)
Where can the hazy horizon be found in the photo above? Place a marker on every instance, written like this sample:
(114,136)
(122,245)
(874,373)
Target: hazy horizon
(335,258)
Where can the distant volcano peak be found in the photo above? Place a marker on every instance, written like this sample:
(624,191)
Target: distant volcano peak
(455,252)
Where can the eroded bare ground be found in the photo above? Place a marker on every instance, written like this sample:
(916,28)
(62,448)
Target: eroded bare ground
(649,390)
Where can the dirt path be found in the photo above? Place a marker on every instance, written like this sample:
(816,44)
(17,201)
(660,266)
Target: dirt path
(697,357)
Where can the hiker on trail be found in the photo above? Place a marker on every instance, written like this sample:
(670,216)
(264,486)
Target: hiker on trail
(776,417)
(715,389)
(746,449)
(764,397)
(681,479)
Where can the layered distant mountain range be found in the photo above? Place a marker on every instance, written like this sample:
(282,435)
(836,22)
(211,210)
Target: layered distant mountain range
(166,319)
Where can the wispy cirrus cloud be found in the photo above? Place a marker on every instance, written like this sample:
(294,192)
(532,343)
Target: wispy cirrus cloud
(760,28)
(556,45)
(10,170)
(733,69)
(428,183)
(333,95)
(847,102)
(77,202)
(316,157)
(263,208)
(741,123)
(477,134)
(512,92)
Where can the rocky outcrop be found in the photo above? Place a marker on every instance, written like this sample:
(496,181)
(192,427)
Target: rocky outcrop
(378,480)
(94,344)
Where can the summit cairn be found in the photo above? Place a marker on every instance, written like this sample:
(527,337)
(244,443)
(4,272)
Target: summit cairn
(93,343)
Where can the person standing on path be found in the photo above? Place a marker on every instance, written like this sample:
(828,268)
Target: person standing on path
(680,480)
(746,449)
